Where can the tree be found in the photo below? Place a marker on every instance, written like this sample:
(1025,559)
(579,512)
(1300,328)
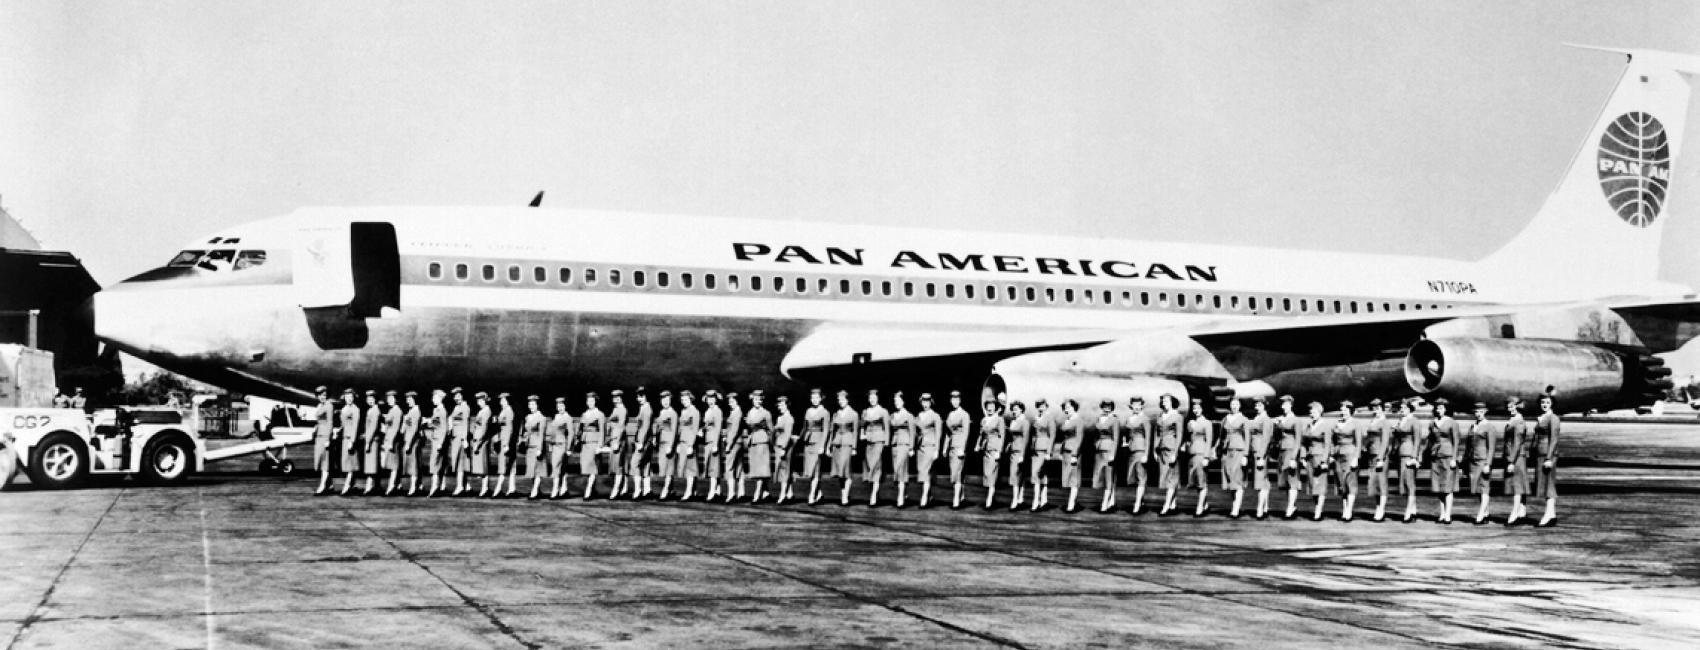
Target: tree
(156,388)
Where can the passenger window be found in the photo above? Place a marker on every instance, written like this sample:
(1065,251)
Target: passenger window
(462,272)
(613,277)
(1032,296)
(778,284)
(661,279)
(908,289)
(1011,293)
(1216,302)
(867,287)
(885,288)
(755,283)
(732,282)
(844,287)
(1087,296)
(1233,302)
(802,285)
(1268,304)
(932,292)
(489,273)
(824,287)
(638,279)
(968,291)
(249,259)
(1050,294)
(708,281)
(1369,307)
(1068,296)
(1145,299)
(687,280)
(1287,305)
(539,274)
(1354,305)
(1337,307)
(1304,305)
(590,277)
(513,273)
(566,275)
(435,270)
(1180,300)
(1106,297)
(950,291)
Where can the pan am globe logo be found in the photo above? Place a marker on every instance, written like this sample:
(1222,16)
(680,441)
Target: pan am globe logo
(1634,167)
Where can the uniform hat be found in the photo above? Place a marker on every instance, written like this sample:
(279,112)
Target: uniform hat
(642,391)
(560,399)
(1346,404)
(1018,405)
(927,397)
(590,395)
(390,393)
(321,390)
(1136,398)
(1286,398)
(1106,403)
(1481,405)
(815,389)
(784,400)
(686,393)
(1375,402)
(411,394)
(531,398)
(616,393)
(348,391)
(1315,405)
(1260,400)
(1441,402)
(666,393)
(1040,402)
(482,395)
(502,396)
(956,393)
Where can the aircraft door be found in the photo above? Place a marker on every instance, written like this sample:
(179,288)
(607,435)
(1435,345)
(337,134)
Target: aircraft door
(345,275)
(322,268)
(376,269)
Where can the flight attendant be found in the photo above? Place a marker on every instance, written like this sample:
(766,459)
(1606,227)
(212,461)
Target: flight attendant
(902,444)
(876,436)
(1170,429)
(371,441)
(506,446)
(844,425)
(592,441)
(1480,442)
(617,437)
(784,442)
(956,426)
(560,447)
(690,432)
(734,448)
(1377,437)
(929,431)
(1442,448)
(482,430)
(411,440)
(1070,437)
(1200,446)
(1516,458)
(990,447)
(1545,451)
(1288,433)
(1137,434)
(1044,442)
(1019,436)
(1260,432)
(1108,428)
(437,440)
(324,438)
(1347,445)
(666,442)
(460,440)
(816,421)
(1313,465)
(536,428)
(1407,443)
(758,428)
(1234,445)
(349,421)
(642,443)
(390,450)
(713,427)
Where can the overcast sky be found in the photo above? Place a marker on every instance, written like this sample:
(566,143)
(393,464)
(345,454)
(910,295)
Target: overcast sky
(127,129)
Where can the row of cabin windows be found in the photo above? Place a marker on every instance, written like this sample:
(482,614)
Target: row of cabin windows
(949,290)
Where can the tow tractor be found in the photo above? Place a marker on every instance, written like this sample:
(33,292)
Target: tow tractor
(61,448)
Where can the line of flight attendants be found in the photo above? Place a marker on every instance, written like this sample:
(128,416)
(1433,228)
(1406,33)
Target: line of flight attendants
(734,448)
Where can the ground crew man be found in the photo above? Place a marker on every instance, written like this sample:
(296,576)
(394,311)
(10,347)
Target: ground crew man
(1347,445)
(1260,431)
(902,444)
(990,447)
(560,447)
(592,439)
(324,438)
(929,433)
(437,438)
(642,446)
(1234,444)
(1108,428)
(1200,445)
(1136,440)
(536,429)
(617,436)
(666,440)
(1044,442)
(1019,435)
(1377,437)
(460,440)
(506,446)
(784,442)
(390,450)
(78,401)
(1070,436)
(483,433)
(1441,448)
(713,428)
(1480,441)
(758,430)
(1317,455)
(1516,439)
(734,447)
(1407,443)
(876,436)
(815,422)
(60,401)
(1288,435)
(690,432)
(349,422)
(844,425)
(1171,427)
(1545,451)
(956,425)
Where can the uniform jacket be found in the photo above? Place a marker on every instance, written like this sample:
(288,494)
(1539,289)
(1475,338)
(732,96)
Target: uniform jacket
(929,430)
(1234,433)
(460,423)
(1019,429)
(1108,429)
(991,435)
(1260,431)
(1545,443)
(1347,440)
(1443,438)
(615,433)
(759,426)
(1137,434)
(784,432)
(690,430)
(1378,438)
(1198,432)
(1071,436)
(1481,440)
(592,430)
(876,425)
(1044,433)
(1516,439)
(1405,441)
(1169,428)
(815,423)
(958,423)
(844,424)
(667,430)
(713,427)
(324,422)
(902,429)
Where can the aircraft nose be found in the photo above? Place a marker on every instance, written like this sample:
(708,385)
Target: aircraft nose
(122,319)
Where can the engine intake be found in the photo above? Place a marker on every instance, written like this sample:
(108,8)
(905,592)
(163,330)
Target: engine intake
(1584,376)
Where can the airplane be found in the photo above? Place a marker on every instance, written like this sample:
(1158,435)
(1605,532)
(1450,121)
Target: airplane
(529,299)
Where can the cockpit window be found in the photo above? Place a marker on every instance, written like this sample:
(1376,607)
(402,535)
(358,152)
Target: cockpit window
(250,259)
(217,260)
(185,258)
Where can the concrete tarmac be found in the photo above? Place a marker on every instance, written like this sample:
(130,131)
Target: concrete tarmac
(236,559)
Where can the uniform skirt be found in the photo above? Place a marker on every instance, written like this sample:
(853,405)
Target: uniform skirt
(1345,474)
(1168,470)
(1198,472)
(1407,468)
(900,463)
(587,464)
(1316,473)
(956,464)
(478,458)
(1481,477)
(1377,484)
(1070,470)
(507,453)
(1517,477)
(1104,471)
(371,459)
(1442,478)
(638,462)
(1233,470)
(689,466)
(1289,469)
(1013,469)
(1036,466)
(537,461)
(732,462)
(761,461)
(782,464)
(410,456)
(1259,471)
(1546,479)
(322,446)
(989,469)
(924,460)
(811,461)
(350,461)
(872,458)
(455,454)
(841,460)
(713,463)
(1137,474)
(392,454)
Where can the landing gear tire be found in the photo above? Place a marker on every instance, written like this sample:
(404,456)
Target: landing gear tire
(167,461)
(267,466)
(60,462)
(286,467)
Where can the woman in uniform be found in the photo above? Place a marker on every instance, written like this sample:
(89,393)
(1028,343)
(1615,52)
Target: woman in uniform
(1407,445)
(592,429)
(902,444)
(990,447)
(618,435)
(816,423)
(1545,452)
(956,425)
(390,451)
(324,438)
(1109,436)
(1199,448)
(690,431)
(1234,446)
(1288,435)
(1347,442)
(460,440)
(876,435)
(713,428)
(666,437)
(784,441)
(929,431)
(1376,442)
(758,428)
(437,441)
(506,446)
(1020,426)
(536,430)
(1044,439)
(1479,448)
(411,441)
(1137,433)
(1170,429)
(1442,449)
(734,447)
(642,444)
(844,425)
(1516,458)
(1069,440)
(1314,461)
(482,431)
(1260,431)
(560,447)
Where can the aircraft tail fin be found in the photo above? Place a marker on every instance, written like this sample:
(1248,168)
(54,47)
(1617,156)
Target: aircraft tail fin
(1600,230)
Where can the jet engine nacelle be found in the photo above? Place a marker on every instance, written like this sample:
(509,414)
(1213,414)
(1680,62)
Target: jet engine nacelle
(1087,388)
(1584,376)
